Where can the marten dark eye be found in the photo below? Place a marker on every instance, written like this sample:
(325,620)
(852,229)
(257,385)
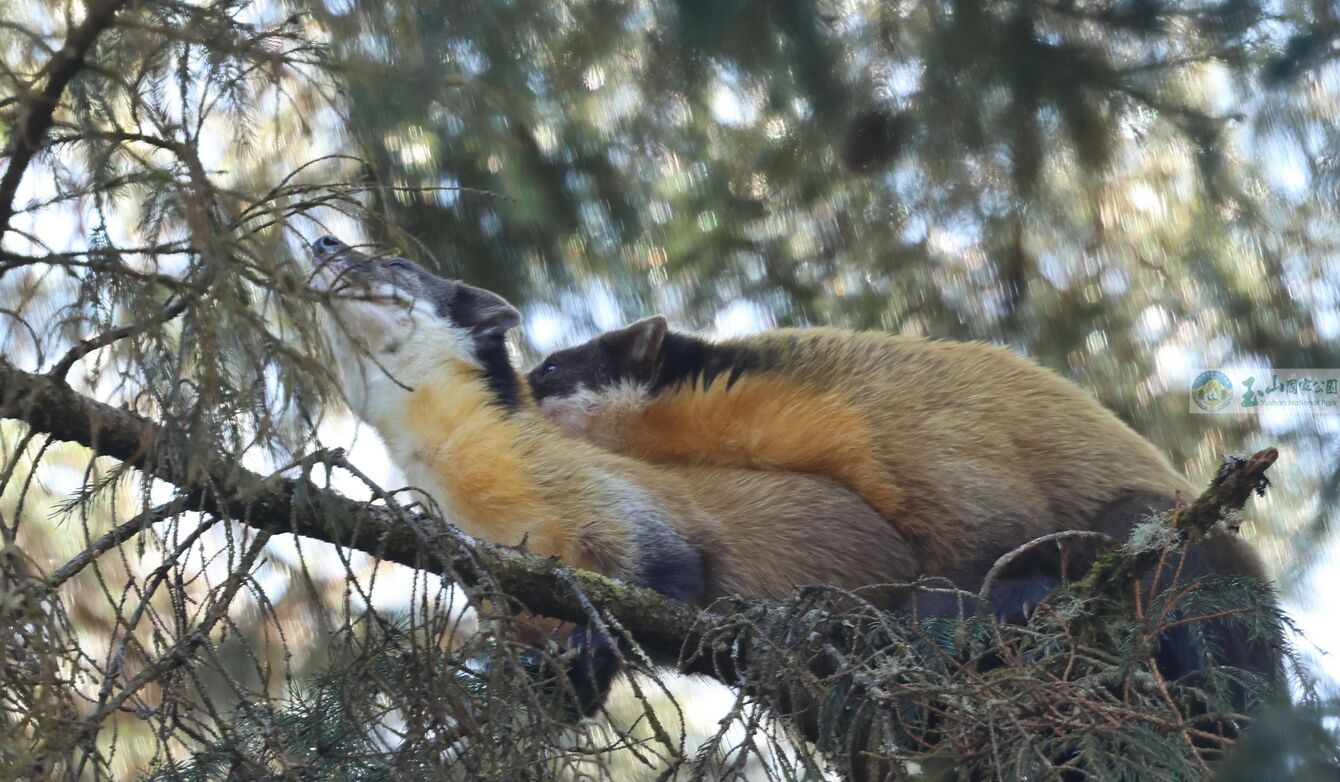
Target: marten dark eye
(398,264)
(548,368)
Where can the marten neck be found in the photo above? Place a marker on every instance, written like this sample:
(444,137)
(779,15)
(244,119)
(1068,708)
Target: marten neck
(383,387)
(465,434)
(423,404)
(498,374)
(686,360)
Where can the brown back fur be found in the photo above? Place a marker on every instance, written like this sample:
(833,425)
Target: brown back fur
(959,445)
(512,477)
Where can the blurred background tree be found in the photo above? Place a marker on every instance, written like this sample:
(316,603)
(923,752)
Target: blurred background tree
(1127,190)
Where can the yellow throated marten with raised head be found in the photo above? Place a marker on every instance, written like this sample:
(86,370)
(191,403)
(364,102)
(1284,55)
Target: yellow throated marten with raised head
(423,360)
(968,450)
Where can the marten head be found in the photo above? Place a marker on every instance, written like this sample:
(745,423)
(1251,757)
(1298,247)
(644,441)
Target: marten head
(623,370)
(393,319)
(617,368)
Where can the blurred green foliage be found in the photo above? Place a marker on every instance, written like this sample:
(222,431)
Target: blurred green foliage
(1124,189)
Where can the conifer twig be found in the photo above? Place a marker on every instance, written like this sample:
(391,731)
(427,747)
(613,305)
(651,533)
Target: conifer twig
(1236,481)
(39,108)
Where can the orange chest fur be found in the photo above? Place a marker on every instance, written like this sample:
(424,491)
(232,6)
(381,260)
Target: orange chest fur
(472,449)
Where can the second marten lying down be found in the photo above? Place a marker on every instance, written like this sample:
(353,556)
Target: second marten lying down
(967,450)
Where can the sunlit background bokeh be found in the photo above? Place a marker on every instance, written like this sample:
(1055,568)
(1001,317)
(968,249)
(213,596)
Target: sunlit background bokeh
(1126,191)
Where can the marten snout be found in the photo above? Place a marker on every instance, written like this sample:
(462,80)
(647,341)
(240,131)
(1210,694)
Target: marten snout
(327,246)
(329,251)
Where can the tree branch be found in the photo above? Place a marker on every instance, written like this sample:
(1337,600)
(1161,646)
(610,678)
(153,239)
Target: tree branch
(112,539)
(216,484)
(1237,480)
(753,646)
(169,311)
(37,108)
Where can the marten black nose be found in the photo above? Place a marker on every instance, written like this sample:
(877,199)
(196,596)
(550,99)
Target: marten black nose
(327,246)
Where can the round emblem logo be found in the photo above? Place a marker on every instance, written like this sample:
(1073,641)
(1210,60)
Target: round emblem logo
(1212,391)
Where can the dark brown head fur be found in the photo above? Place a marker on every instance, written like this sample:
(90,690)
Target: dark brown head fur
(644,354)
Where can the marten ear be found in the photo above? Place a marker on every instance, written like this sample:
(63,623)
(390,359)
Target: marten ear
(483,312)
(638,343)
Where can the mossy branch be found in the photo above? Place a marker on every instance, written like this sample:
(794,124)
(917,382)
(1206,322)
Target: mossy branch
(217,484)
(1229,491)
(848,680)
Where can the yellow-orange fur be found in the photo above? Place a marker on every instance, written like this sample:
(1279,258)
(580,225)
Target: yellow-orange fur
(957,444)
(514,478)
(470,454)
(768,422)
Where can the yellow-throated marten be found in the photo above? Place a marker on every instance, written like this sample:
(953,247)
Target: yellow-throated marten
(967,449)
(961,446)
(423,360)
